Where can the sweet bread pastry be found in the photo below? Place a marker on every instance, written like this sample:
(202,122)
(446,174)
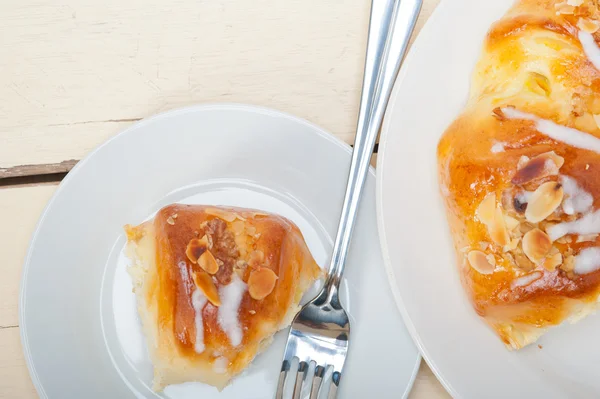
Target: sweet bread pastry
(519,171)
(213,285)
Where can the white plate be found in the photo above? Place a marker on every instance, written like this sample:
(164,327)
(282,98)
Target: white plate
(79,327)
(462,351)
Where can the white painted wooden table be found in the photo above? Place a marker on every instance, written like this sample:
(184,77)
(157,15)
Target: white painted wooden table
(76,72)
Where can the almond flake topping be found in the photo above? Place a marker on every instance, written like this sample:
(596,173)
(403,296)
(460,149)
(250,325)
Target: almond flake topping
(208,262)
(481,262)
(552,262)
(538,167)
(565,8)
(587,25)
(195,248)
(544,201)
(261,283)
(536,245)
(228,216)
(206,284)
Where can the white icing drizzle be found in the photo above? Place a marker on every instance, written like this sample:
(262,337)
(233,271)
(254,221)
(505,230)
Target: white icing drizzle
(590,48)
(220,365)
(577,199)
(231,297)
(185,276)
(198,302)
(526,279)
(498,147)
(523,196)
(587,224)
(567,135)
(587,261)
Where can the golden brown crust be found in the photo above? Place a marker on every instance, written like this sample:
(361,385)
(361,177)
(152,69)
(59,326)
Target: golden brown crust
(532,61)
(242,242)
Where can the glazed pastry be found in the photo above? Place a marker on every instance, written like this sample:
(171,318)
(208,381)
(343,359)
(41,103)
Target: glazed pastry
(519,171)
(213,285)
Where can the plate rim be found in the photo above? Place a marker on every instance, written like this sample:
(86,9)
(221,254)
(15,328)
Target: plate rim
(202,107)
(385,131)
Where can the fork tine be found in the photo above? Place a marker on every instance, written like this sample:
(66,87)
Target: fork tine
(300,378)
(335,383)
(285,367)
(314,392)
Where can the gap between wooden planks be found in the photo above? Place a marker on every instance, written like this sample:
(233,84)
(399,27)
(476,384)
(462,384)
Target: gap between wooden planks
(79,73)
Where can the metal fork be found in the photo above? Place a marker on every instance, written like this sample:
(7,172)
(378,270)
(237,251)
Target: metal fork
(321,330)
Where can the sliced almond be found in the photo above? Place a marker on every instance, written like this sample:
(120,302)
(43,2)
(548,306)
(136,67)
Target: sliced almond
(195,248)
(497,229)
(208,262)
(587,25)
(552,262)
(237,227)
(251,230)
(205,283)
(511,222)
(228,216)
(536,245)
(569,264)
(538,167)
(487,209)
(564,8)
(256,258)
(480,262)
(524,263)
(170,220)
(261,283)
(544,201)
(575,3)
(525,227)
(514,243)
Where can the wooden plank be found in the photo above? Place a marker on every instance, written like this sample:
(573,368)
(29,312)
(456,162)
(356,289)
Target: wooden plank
(76,73)
(35,170)
(20,209)
(427,386)
(14,377)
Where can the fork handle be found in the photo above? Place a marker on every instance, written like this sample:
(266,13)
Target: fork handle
(390,27)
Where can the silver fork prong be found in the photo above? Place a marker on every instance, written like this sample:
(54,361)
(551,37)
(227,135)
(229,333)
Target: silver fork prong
(316,385)
(335,383)
(285,367)
(300,379)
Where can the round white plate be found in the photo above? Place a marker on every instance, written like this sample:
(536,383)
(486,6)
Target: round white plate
(80,330)
(463,352)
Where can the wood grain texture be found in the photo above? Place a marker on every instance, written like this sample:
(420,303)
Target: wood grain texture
(427,386)
(40,169)
(76,73)
(14,376)
(20,209)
